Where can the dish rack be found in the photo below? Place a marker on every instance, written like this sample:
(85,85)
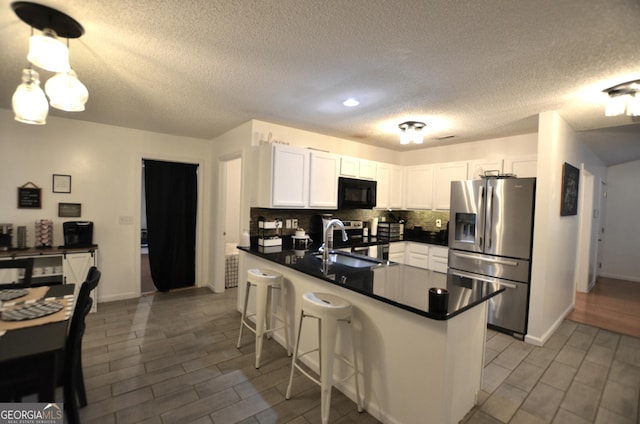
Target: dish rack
(269,232)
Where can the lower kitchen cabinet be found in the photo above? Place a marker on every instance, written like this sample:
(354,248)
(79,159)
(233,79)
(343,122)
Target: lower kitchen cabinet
(438,258)
(397,252)
(417,254)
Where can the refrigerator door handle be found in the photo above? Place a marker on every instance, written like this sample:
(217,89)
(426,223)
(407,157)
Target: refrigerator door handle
(489,216)
(482,278)
(480,222)
(483,259)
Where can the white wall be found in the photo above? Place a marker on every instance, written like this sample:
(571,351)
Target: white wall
(104,163)
(519,145)
(621,255)
(555,237)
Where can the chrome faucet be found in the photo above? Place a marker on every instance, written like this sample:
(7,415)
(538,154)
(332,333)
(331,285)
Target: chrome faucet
(327,238)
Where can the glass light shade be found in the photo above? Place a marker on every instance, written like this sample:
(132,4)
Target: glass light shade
(29,102)
(633,105)
(66,92)
(411,135)
(47,52)
(616,105)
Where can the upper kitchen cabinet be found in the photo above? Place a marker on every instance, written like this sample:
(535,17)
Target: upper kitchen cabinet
(390,186)
(444,174)
(419,187)
(292,177)
(479,167)
(357,168)
(522,166)
(284,177)
(323,180)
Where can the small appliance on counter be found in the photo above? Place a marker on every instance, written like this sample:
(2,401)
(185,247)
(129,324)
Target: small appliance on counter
(78,234)
(6,234)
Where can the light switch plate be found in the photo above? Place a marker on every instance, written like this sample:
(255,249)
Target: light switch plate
(294,223)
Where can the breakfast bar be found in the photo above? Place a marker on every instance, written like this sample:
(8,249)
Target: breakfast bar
(416,364)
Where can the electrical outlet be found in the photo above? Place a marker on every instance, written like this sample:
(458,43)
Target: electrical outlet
(438,223)
(294,223)
(287,223)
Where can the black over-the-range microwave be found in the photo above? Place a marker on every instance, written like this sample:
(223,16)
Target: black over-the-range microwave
(356,194)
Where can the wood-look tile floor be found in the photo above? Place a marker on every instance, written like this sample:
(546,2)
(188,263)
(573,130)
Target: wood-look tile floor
(171,357)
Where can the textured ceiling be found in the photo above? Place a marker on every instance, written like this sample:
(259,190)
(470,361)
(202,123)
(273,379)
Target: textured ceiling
(472,69)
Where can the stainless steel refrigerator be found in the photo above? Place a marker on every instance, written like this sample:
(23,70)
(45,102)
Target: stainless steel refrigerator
(490,239)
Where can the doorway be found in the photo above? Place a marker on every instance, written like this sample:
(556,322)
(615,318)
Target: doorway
(229,220)
(169,203)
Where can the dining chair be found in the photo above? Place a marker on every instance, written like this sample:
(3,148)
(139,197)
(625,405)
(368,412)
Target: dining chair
(70,375)
(26,264)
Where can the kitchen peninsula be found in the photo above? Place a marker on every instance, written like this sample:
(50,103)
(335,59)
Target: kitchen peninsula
(417,365)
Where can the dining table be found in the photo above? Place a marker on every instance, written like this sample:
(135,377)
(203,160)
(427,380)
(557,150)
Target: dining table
(34,346)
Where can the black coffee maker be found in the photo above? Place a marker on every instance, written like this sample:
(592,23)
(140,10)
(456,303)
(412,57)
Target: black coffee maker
(78,233)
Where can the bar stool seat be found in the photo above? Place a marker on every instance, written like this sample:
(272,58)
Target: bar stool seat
(264,281)
(329,310)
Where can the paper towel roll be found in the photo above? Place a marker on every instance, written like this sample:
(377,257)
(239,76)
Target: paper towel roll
(373,227)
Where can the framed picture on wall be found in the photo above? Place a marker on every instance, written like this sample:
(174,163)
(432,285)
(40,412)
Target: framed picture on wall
(61,183)
(570,183)
(69,210)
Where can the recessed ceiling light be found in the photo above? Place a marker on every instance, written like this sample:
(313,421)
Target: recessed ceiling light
(351,102)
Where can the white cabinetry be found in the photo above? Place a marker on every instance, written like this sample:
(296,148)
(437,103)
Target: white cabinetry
(357,168)
(397,251)
(479,167)
(417,254)
(323,180)
(444,174)
(75,267)
(292,177)
(283,179)
(61,266)
(522,166)
(390,186)
(419,187)
(438,258)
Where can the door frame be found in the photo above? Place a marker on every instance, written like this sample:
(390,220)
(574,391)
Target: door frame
(585,228)
(201,232)
(219,239)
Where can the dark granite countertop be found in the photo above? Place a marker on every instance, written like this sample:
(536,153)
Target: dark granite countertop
(403,286)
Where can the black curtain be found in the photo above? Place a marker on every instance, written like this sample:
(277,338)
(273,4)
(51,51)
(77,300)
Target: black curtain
(171,201)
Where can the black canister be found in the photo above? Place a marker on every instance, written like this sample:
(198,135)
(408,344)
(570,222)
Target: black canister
(438,300)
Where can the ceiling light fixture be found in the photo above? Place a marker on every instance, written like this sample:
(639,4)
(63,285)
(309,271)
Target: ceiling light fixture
(46,51)
(411,132)
(623,98)
(29,102)
(351,102)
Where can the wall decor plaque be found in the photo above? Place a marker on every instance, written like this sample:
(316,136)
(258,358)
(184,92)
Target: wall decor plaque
(29,196)
(69,210)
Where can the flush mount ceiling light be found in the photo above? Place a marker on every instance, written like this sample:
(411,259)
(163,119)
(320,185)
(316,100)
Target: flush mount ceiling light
(48,52)
(411,132)
(351,102)
(623,98)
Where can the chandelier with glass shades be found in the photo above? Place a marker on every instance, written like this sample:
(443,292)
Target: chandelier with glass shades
(48,52)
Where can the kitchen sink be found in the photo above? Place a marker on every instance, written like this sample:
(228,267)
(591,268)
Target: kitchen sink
(350,260)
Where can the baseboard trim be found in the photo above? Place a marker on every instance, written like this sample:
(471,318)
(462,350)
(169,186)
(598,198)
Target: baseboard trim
(634,279)
(541,340)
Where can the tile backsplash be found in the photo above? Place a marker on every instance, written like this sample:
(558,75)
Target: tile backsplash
(310,219)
